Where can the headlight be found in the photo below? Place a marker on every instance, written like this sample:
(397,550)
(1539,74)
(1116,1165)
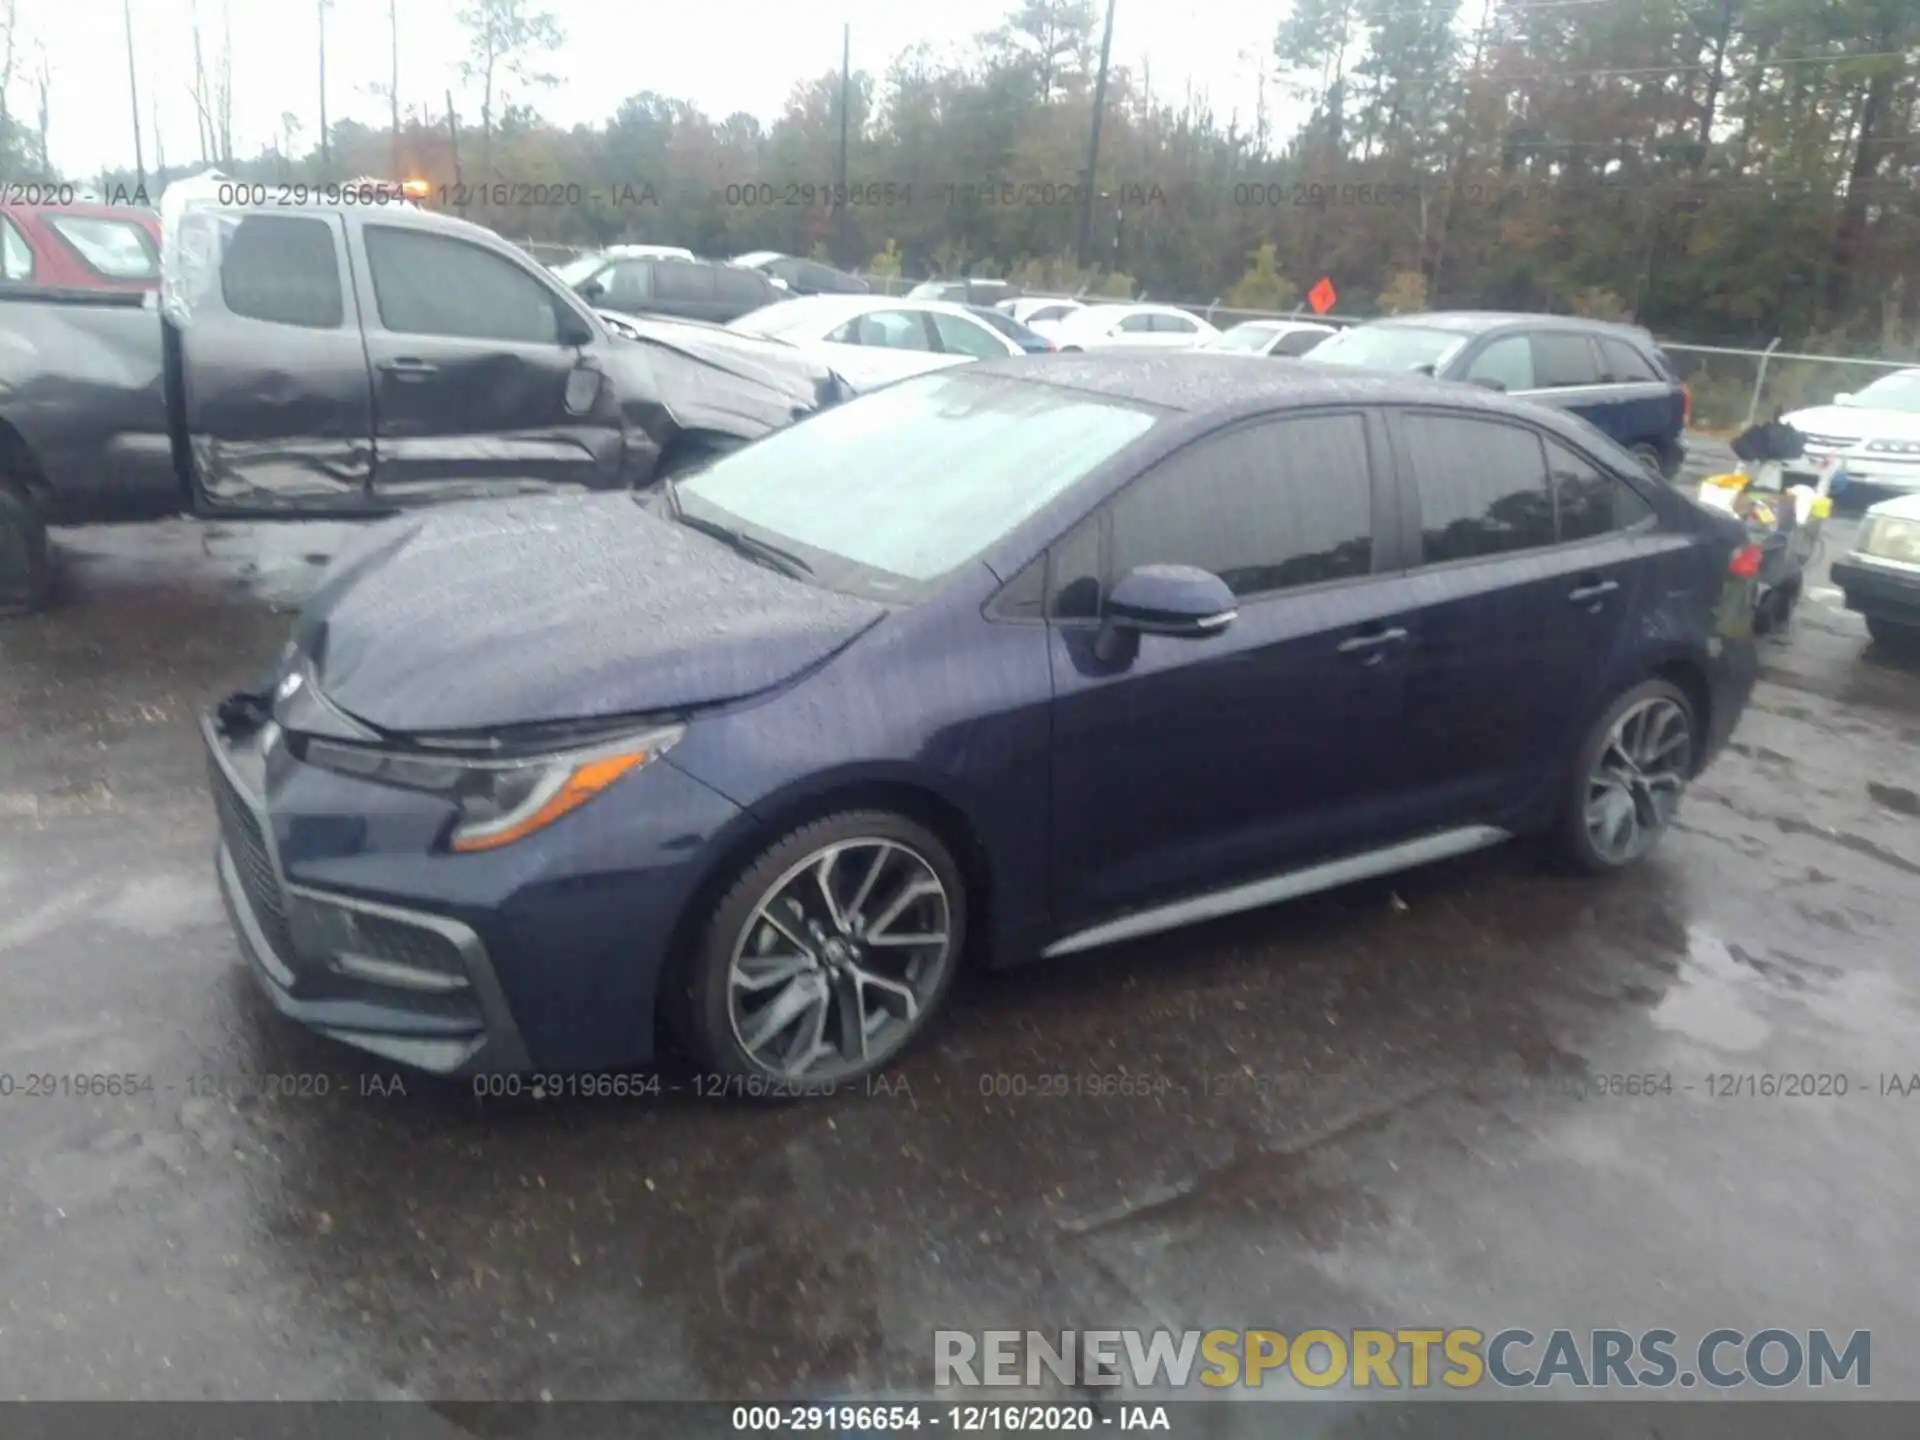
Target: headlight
(500,801)
(1888,538)
(1894,447)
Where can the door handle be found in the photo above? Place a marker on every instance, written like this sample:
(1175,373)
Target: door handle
(1375,641)
(406,367)
(1593,592)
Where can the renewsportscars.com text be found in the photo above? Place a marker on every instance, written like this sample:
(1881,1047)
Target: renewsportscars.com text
(1460,1358)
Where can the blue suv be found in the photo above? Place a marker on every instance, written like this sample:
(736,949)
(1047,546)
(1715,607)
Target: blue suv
(1612,376)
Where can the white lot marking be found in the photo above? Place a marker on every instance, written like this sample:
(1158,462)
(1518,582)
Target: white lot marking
(44,921)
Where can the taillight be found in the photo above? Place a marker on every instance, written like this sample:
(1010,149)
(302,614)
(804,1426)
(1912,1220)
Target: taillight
(1745,563)
(1686,403)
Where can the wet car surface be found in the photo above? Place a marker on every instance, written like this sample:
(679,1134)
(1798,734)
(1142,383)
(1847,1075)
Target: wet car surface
(1361,1108)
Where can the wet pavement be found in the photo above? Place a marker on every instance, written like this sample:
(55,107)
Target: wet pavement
(1358,1109)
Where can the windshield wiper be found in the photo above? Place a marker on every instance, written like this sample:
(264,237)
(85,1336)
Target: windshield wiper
(750,546)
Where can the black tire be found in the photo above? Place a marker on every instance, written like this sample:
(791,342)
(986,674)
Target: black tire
(26,566)
(701,1010)
(1570,843)
(1893,634)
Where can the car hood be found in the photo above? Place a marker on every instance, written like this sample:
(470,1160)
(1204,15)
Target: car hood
(711,378)
(1856,422)
(519,612)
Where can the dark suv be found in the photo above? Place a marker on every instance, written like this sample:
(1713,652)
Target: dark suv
(710,290)
(1612,376)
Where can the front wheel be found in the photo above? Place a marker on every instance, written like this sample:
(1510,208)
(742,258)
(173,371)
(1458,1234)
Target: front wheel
(1632,771)
(828,954)
(25,555)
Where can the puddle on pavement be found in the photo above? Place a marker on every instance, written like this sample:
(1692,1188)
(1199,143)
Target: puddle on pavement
(1707,1003)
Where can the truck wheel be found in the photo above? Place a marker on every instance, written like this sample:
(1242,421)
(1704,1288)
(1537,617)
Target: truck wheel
(25,567)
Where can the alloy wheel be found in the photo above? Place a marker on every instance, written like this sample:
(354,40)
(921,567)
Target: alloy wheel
(1636,784)
(838,961)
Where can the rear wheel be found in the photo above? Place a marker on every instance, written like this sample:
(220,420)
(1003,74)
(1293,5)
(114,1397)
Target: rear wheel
(1629,779)
(831,951)
(1893,634)
(25,559)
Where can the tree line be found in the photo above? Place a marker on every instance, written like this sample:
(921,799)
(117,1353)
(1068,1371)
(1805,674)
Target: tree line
(1725,170)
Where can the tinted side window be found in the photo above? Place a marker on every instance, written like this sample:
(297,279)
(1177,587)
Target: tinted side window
(1074,574)
(1174,325)
(630,280)
(1137,324)
(18,254)
(1591,502)
(1482,487)
(1265,507)
(963,337)
(1298,342)
(740,287)
(1622,362)
(432,285)
(285,270)
(683,280)
(1508,360)
(1562,358)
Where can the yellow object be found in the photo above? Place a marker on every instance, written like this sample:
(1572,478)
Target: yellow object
(1726,482)
(1822,507)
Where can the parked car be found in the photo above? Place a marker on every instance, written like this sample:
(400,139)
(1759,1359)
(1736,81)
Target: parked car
(1612,376)
(872,340)
(1873,434)
(350,361)
(1131,327)
(1015,659)
(964,292)
(1288,338)
(711,290)
(1031,341)
(803,277)
(1881,576)
(1038,312)
(80,246)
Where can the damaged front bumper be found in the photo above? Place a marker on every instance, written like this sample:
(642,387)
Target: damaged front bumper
(415,988)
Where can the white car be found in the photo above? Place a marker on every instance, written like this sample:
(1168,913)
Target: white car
(1881,577)
(1872,434)
(872,340)
(1291,338)
(1130,327)
(1039,313)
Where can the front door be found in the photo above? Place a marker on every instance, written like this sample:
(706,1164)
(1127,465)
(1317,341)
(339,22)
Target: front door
(1201,763)
(272,370)
(480,384)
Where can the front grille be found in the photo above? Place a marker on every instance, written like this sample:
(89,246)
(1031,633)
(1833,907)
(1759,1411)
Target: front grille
(1831,442)
(240,827)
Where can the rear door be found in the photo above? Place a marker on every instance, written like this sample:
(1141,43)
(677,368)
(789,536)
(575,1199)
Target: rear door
(684,288)
(1203,762)
(1175,332)
(1511,613)
(1651,408)
(272,368)
(972,338)
(738,291)
(1567,375)
(485,379)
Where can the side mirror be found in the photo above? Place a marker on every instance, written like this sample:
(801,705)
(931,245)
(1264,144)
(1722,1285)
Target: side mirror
(1174,600)
(1485,382)
(574,331)
(590,290)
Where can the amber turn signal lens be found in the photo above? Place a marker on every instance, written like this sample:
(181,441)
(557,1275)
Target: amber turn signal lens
(583,782)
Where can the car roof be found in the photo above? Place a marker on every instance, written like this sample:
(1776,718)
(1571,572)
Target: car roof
(851,305)
(1475,322)
(1202,382)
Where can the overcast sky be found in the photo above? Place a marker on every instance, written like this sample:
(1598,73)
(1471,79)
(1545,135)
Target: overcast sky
(724,55)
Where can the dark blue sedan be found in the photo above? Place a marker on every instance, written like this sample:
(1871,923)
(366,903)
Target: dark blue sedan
(1015,659)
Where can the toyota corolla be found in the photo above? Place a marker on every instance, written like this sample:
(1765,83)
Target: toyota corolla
(1012,660)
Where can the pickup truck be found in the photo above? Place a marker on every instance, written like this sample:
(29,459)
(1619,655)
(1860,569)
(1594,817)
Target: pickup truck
(340,361)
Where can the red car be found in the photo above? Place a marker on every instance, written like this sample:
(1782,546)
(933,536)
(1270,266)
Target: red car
(80,246)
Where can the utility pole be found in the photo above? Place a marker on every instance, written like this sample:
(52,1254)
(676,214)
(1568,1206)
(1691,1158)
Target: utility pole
(846,93)
(133,91)
(326,154)
(1093,147)
(393,78)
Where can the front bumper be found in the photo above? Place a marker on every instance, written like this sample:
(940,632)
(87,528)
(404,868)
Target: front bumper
(1879,587)
(1866,467)
(408,986)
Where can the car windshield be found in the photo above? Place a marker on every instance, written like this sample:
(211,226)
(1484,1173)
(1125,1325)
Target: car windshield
(1245,337)
(890,492)
(1390,347)
(1899,391)
(574,271)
